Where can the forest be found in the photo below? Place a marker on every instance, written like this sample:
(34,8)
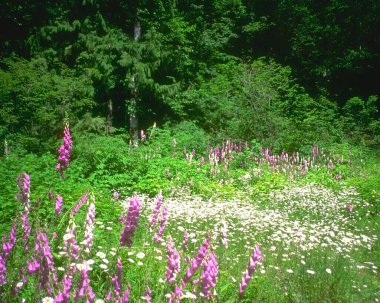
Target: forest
(189,150)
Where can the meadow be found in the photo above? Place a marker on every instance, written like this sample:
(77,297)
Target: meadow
(162,222)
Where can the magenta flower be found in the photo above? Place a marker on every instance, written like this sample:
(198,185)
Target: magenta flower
(33,267)
(173,262)
(116,195)
(84,288)
(64,151)
(23,183)
(158,236)
(126,295)
(156,211)
(253,261)
(3,270)
(70,242)
(131,222)
(58,205)
(79,205)
(116,280)
(89,227)
(209,275)
(196,262)
(350,208)
(147,296)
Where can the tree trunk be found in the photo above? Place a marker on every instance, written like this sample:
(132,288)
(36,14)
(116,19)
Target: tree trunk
(109,116)
(133,120)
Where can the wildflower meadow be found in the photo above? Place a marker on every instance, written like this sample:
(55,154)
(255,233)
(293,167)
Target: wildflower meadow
(233,223)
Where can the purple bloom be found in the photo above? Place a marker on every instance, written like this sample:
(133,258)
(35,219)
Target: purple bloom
(70,241)
(23,183)
(156,211)
(64,151)
(84,288)
(253,261)
(79,205)
(161,228)
(43,264)
(89,227)
(126,295)
(116,279)
(209,275)
(147,296)
(33,267)
(173,262)
(7,247)
(58,205)
(3,270)
(116,195)
(130,222)
(197,262)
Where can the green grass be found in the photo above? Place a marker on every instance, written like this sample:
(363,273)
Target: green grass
(315,249)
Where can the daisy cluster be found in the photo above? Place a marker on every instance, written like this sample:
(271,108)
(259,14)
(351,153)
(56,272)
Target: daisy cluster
(325,221)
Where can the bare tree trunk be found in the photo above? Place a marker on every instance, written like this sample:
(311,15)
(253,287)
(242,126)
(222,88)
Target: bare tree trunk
(133,120)
(109,116)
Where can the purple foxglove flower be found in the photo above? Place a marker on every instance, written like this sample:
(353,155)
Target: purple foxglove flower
(58,205)
(66,289)
(84,288)
(3,270)
(116,279)
(89,226)
(253,261)
(156,211)
(64,151)
(130,222)
(173,266)
(147,296)
(70,241)
(79,205)
(176,296)
(33,267)
(161,228)
(116,195)
(23,183)
(209,275)
(46,263)
(196,262)
(125,298)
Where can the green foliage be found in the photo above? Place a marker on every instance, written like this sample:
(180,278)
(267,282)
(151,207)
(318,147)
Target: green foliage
(361,121)
(36,99)
(260,101)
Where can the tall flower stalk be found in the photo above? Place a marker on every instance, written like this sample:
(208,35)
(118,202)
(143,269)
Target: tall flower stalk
(173,262)
(156,211)
(158,236)
(130,222)
(23,183)
(89,226)
(209,276)
(253,261)
(196,262)
(64,151)
(79,204)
